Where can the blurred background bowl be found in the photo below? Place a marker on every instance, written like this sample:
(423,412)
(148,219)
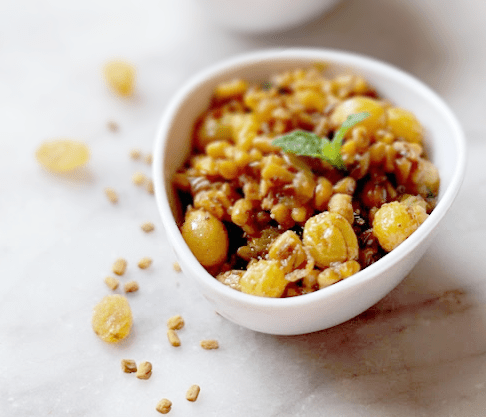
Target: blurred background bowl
(259,16)
(444,142)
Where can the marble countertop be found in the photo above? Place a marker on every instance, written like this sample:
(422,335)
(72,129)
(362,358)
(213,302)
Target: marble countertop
(421,351)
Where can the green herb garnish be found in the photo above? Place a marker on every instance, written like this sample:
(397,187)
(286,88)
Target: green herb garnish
(305,143)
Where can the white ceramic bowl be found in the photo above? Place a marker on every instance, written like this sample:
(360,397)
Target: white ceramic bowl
(263,16)
(344,300)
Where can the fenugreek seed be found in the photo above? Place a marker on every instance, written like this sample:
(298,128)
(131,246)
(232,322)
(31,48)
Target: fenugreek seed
(175,323)
(148,159)
(163,406)
(112,283)
(112,126)
(176,267)
(147,227)
(173,338)
(192,393)
(138,178)
(111,195)
(135,154)
(144,263)
(150,187)
(128,366)
(209,344)
(119,267)
(144,370)
(131,286)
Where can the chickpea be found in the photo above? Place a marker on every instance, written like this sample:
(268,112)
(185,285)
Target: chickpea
(404,124)
(376,120)
(288,249)
(330,238)
(394,222)
(264,278)
(341,204)
(206,236)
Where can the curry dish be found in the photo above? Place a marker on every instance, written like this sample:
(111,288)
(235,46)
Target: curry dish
(275,224)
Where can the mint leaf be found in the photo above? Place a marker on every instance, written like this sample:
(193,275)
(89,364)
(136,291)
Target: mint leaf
(300,142)
(305,143)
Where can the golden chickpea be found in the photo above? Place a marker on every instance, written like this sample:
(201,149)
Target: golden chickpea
(404,124)
(394,222)
(206,236)
(288,249)
(376,120)
(264,278)
(330,238)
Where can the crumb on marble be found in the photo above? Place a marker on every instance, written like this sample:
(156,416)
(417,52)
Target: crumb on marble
(175,322)
(150,186)
(192,393)
(139,178)
(135,153)
(112,126)
(119,266)
(176,267)
(144,370)
(112,282)
(128,365)
(148,159)
(131,286)
(144,263)
(164,406)
(112,195)
(173,338)
(209,344)
(147,227)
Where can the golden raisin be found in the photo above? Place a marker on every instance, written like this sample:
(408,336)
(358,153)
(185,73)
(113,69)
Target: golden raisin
(112,318)
(62,155)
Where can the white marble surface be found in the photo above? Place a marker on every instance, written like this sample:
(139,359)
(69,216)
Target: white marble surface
(419,352)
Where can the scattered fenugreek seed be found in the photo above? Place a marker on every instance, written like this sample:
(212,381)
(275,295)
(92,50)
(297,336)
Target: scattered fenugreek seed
(144,263)
(135,154)
(148,159)
(131,286)
(112,283)
(150,186)
(176,267)
(112,195)
(128,366)
(192,393)
(173,338)
(209,344)
(112,126)
(163,406)
(138,178)
(175,322)
(119,266)
(147,227)
(144,370)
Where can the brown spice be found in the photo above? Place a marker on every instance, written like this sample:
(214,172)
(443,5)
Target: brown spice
(209,344)
(144,370)
(138,178)
(163,406)
(144,263)
(147,227)
(128,366)
(193,393)
(111,195)
(131,286)
(173,338)
(119,266)
(150,186)
(135,154)
(175,322)
(148,159)
(112,283)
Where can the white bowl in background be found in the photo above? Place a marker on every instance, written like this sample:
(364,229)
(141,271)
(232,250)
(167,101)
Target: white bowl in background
(260,16)
(346,299)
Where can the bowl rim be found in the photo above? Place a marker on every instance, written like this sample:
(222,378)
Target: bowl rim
(337,57)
